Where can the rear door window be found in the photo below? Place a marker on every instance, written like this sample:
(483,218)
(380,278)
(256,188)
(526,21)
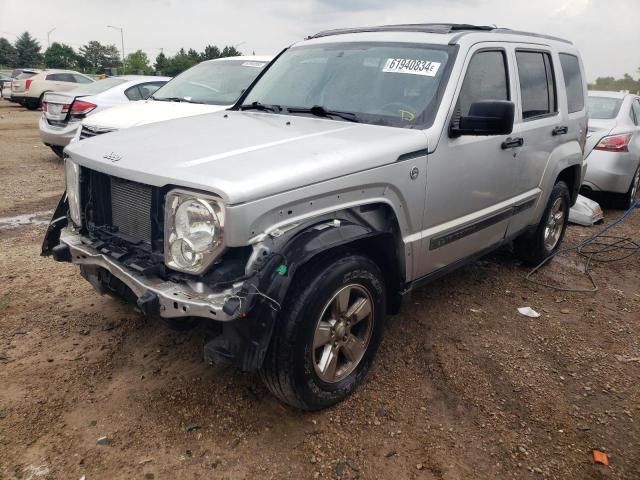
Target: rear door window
(573,82)
(486,79)
(537,84)
(636,111)
(61,77)
(81,78)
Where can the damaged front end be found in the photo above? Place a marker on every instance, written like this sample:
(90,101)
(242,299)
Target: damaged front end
(228,297)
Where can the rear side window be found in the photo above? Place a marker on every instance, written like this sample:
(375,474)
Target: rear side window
(486,79)
(132,93)
(537,85)
(61,77)
(572,81)
(636,111)
(148,89)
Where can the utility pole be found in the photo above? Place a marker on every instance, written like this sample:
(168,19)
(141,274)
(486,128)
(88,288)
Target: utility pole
(124,67)
(48,37)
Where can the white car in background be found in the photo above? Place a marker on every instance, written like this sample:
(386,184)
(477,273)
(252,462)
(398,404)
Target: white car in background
(62,112)
(30,91)
(210,86)
(17,74)
(613,146)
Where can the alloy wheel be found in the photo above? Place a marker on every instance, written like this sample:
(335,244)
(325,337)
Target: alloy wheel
(342,333)
(555,224)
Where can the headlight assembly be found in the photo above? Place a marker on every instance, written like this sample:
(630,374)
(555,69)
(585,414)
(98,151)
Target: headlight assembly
(194,231)
(72,182)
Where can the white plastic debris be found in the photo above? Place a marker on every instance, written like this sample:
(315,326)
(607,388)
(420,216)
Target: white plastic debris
(528,312)
(585,212)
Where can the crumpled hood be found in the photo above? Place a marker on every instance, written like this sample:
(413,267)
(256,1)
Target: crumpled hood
(148,111)
(244,156)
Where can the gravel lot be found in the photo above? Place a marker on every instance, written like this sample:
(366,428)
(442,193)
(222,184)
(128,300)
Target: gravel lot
(463,387)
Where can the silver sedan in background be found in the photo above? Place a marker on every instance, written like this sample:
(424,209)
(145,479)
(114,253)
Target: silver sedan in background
(62,112)
(613,146)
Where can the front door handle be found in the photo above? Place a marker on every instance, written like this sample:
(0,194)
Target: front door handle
(512,143)
(560,131)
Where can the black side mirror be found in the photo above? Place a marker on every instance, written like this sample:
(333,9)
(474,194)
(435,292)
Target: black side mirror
(488,117)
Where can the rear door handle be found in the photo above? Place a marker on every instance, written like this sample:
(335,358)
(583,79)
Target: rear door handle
(560,131)
(512,143)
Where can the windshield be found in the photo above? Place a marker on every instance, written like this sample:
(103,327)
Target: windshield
(217,83)
(382,84)
(100,85)
(604,108)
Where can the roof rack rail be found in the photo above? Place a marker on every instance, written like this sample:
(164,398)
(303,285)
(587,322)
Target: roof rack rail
(408,27)
(461,28)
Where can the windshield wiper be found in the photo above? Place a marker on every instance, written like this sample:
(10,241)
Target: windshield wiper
(261,107)
(320,111)
(174,99)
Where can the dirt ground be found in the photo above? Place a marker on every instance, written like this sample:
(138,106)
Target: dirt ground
(464,387)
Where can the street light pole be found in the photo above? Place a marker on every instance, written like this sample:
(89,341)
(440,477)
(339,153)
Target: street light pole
(124,67)
(48,36)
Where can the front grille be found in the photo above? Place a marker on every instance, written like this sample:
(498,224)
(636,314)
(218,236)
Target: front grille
(131,208)
(88,132)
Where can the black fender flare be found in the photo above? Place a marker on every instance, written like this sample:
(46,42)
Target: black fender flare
(57,223)
(245,341)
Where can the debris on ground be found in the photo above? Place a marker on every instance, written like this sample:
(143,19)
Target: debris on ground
(600,457)
(528,312)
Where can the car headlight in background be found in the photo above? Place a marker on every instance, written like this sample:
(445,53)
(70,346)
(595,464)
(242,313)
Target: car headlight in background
(72,182)
(194,231)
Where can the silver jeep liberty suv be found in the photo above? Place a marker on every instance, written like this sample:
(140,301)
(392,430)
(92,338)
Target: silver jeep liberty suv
(361,163)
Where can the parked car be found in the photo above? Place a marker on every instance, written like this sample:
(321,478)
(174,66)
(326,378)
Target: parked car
(29,91)
(5,81)
(17,74)
(208,87)
(613,146)
(62,112)
(362,164)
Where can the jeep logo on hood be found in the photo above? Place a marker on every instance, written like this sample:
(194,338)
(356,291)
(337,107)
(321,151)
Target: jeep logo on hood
(114,157)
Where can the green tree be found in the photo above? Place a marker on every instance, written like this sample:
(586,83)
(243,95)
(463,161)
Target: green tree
(230,52)
(161,63)
(7,53)
(59,55)
(138,62)
(193,55)
(627,83)
(180,62)
(97,57)
(210,52)
(27,51)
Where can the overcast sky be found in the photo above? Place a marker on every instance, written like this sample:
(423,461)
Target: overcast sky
(606,31)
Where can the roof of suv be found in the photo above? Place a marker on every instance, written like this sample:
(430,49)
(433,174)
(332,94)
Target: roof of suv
(451,32)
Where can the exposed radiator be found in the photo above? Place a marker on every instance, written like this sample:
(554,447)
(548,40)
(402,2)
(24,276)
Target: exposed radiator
(131,208)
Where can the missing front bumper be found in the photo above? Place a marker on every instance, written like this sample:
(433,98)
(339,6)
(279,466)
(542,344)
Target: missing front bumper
(173,300)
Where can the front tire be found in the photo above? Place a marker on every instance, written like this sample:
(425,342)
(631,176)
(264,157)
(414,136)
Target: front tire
(328,334)
(534,248)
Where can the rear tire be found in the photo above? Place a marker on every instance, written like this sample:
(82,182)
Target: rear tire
(633,194)
(327,335)
(534,248)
